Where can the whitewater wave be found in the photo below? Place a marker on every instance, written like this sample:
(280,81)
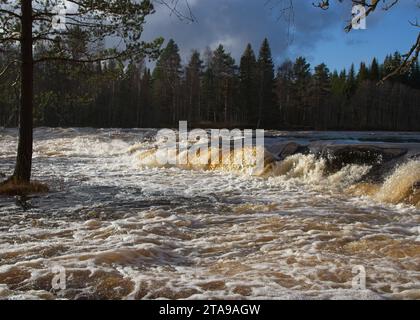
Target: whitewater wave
(124,227)
(401,186)
(243,160)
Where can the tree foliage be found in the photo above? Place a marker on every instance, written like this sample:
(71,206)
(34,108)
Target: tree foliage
(212,91)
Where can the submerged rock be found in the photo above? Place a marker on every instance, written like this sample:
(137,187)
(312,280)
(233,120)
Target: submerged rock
(382,158)
(283,150)
(339,156)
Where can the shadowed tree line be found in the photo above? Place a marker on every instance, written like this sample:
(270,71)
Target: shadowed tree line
(213,91)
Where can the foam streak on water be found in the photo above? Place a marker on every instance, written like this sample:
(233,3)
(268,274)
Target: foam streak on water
(125,229)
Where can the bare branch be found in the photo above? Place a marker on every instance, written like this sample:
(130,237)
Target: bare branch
(174,7)
(7,67)
(409,59)
(10,13)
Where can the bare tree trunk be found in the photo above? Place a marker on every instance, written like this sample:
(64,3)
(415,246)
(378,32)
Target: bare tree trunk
(23,166)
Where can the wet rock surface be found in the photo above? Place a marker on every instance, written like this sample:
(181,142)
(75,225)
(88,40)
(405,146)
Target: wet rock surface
(338,156)
(383,158)
(283,150)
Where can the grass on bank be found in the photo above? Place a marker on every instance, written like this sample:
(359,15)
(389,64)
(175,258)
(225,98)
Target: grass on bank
(12,188)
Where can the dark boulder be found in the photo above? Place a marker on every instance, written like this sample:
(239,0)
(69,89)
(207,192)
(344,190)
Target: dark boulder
(338,156)
(283,150)
(379,172)
(415,155)
(383,158)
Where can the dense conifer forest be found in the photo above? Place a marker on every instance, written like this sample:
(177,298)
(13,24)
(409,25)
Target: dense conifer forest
(213,90)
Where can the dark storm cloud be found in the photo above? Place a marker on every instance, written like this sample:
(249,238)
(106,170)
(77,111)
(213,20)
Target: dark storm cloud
(234,23)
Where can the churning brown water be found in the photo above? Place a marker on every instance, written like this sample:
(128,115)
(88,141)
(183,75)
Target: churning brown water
(117,226)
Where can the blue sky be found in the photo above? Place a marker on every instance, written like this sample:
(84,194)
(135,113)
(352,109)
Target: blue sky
(316,34)
(386,32)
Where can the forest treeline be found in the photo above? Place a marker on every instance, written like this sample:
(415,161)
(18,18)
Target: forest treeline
(214,91)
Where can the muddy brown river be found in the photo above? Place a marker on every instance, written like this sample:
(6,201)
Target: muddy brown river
(117,227)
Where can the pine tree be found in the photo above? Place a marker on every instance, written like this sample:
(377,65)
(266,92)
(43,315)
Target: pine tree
(363,73)
(374,71)
(283,90)
(193,75)
(338,82)
(351,83)
(248,85)
(321,84)
(223,68)
(301,82)
(208,88)
(166,84)
(147,117)
(338,86)
(96,20)
(266,105)
(319,93)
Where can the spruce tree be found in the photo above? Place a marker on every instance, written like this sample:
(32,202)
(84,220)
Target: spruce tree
(283,91)
(208,88)
(266,105)
(146,118)
(363,73)
(321,84)
(166,84)
(374,71)
(351,83)
(223,68)
(320,91)
(193,78)
(301,82)
(248,84)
